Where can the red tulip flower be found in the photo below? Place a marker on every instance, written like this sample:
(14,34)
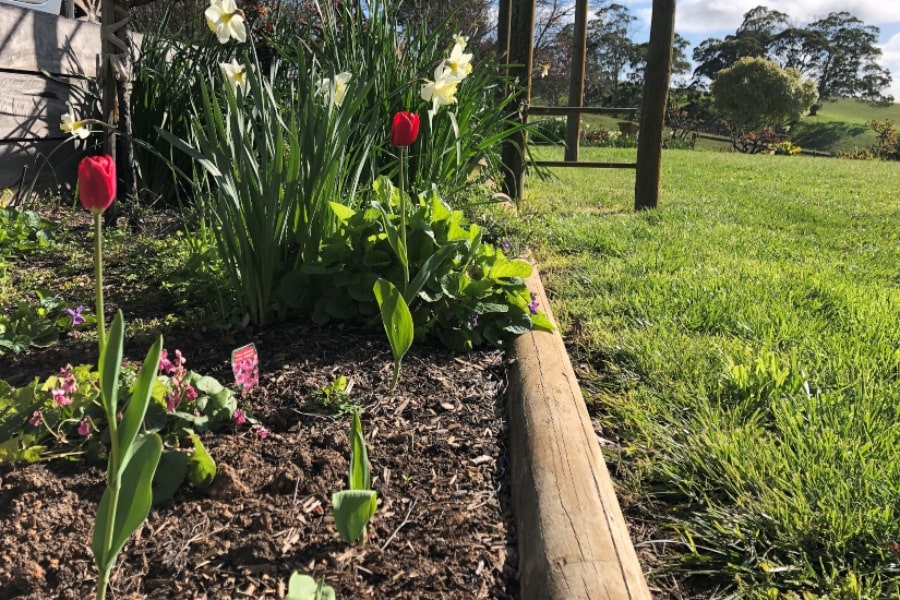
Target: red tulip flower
(97,182)
(404,129)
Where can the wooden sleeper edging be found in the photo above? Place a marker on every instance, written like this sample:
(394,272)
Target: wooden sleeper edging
(573,540)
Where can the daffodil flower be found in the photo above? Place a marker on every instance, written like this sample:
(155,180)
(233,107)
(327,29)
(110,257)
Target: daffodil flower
(461,40)
(337,87)
(69,124)
(459,63)
(225,20)
(442,90)
(236,74)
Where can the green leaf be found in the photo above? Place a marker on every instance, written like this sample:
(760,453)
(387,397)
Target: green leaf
(110,363)
(170,474)
(134,413)
(540,321)
(352,511)
(201,467)
(359,458)
(398,322)
(304,587)
(342,211)
(207,385)
(133,498)
(510,268)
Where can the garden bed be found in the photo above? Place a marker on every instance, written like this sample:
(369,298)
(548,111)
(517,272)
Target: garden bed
(437,449)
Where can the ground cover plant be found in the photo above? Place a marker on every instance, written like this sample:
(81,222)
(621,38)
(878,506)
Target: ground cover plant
(740,349)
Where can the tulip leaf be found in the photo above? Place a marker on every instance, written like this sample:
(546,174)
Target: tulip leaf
(359,458)
(352,511)
(134,498)
(136,410)
(110,363)
(398,322)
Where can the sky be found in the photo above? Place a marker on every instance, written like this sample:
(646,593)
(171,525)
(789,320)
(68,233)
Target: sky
(698,20)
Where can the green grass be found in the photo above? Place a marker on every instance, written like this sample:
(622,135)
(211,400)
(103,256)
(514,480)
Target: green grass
(843,125)
(743,343)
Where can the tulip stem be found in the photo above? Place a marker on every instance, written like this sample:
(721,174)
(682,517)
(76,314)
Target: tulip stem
(405,258)
(98,278)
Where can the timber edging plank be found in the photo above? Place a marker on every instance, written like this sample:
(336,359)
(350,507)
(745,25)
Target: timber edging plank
(573,540)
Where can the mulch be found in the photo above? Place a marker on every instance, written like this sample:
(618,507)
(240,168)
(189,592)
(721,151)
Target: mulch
(437,447)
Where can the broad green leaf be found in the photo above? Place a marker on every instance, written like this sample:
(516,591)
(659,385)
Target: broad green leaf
(169,476)
(304,587)
(352,510)
(19,449)
(134,497)
(540,321)
(359,458)
(110,363)
(201,467)
(134,413)
(395,315)
(510,268)
(342,211)
(205,384)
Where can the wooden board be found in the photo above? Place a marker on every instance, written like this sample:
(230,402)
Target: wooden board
(31,106)
(573,540)
(31,158)
(35,41)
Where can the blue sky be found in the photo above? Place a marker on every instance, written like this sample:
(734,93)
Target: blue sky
(698,20)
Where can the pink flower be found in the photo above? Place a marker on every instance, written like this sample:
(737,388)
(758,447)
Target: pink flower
(261,431)
(36,418)
(190,393)
(70,384)
(60,397)
(240,417)
(172,401)
(165,365)
(84,428)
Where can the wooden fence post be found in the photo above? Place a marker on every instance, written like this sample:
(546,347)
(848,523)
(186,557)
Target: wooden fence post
(576,80)
(521,41)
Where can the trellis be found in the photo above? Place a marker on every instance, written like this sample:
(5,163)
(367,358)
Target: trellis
(515,39)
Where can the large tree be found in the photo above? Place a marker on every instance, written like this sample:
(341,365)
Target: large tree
(610,51)
(472,16)
(838,52)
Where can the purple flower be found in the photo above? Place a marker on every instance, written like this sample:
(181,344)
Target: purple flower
(84,428)
(533,305)
(240,417)
(77,319)
(473,321)
(506,245)
(35,419)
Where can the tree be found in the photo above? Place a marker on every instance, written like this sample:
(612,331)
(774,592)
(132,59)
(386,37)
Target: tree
(553,32)
(610,51)
(756,94)
(838,52)
(473,16)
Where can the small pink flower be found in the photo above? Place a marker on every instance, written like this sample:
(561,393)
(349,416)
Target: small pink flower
(190,393)
(36,418)
(240,417)
(60,397)
(172,401)
(70,384)
(261,431)
(84,428)
(165,365)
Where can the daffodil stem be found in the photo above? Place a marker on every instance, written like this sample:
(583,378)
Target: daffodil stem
(405,258)
(98,279)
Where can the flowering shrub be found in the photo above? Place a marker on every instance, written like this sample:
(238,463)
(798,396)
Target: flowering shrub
(785,148)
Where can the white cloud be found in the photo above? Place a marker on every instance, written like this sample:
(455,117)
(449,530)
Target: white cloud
(891,60)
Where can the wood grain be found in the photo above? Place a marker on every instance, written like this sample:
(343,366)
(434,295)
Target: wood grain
(573,540)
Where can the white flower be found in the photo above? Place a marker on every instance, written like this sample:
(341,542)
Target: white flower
(459,63)
(442,90)
(225,20)
(461,40)
(236,74)
(545,69)
(69,124)
(337,87)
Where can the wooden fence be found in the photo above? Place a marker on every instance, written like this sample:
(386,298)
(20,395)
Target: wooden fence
(46,64)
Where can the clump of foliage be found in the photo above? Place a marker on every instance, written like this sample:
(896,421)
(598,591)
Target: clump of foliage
(888,145)
(755,94)
(785,148)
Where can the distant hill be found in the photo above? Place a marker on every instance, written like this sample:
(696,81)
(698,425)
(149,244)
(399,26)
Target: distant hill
(842,125)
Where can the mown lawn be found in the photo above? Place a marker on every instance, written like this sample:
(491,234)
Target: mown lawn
(743,346)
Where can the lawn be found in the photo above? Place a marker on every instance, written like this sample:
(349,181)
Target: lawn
(741,345)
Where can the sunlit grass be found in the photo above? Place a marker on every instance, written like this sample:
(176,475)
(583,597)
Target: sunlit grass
(744,341)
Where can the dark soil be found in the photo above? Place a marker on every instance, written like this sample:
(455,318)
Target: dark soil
(438,452)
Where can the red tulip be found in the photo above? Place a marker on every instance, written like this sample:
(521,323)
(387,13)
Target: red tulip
(405,128)
(97,182)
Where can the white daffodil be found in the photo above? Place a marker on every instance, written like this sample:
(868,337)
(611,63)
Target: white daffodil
(459,63)
(225,20)
(69,124)
(461,40)
(337,87)
(442,90)
(545,69)
(236,74)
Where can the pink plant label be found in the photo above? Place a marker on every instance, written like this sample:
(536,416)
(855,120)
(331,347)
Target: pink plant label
(245,365)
